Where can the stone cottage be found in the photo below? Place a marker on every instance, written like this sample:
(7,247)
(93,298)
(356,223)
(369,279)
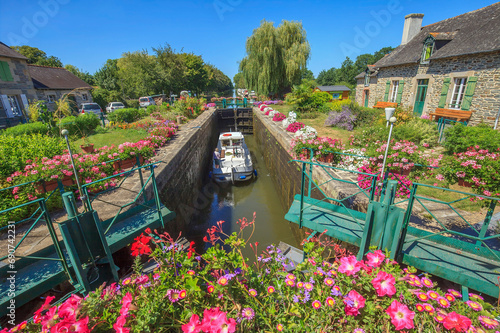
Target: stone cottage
(452,64)
(16,87)
(52,83)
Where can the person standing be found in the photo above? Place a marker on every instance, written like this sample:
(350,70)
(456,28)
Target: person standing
(217,158)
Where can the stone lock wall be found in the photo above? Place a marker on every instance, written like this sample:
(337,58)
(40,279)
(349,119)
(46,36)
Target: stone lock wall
(486,98)
(186,161)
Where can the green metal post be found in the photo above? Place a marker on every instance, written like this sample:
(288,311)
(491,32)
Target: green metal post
(156,195)
(102,118)
(374,187)
(53,235)
(311,152)
(85,198)
(138,162)
(69,204)
(487,221)
(302,185)
(406,221)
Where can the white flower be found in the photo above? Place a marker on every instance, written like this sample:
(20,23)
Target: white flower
(306,133)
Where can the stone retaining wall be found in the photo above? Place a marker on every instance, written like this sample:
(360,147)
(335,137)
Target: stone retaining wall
(186,161)
(275,141)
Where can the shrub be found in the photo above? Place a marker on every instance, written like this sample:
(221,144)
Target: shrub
(83,125)
(366,116)
(16,150)
(190,107)
(344,119)
(127,115)
(417,130)
(152,108)
(319,98)
(27,129)
(459,138)
(132,103)
(337,105)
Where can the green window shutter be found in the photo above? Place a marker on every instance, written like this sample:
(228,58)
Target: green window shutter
(400,91)
(444,92)
(387,88)
(5,74)
(469,92)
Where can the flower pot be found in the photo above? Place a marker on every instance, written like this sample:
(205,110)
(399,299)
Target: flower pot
(126,164)
(462,182)
(50,186)
(326,158)
(68,181)
(88,148)
(402,171)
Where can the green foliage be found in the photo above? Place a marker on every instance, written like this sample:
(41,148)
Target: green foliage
(239,81)
(107,76)
(300,96)
(218,82)
(103,97)
(189,107)
(276,57)
(85,76)
(460,137)
(37,57)
(132,103)
(417,130)
(151,108)
(30,128)
(16,150)
(127,115)
(319,98)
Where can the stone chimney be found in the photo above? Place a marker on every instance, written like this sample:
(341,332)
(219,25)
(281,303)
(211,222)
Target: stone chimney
(413,24)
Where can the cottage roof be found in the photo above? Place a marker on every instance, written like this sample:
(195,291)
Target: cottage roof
(6,51)
(333,88)
(372,72)
(45,77)
(470,33)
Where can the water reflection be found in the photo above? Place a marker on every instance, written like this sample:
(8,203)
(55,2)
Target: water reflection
(233,202)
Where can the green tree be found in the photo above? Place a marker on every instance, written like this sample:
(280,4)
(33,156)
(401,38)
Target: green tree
(307,74)
(139,75)
(239,81)
(381,53)
(348,71)
(37,57)
(107,76)
(218,82)
(275,57)
(171,69)
(195,73)
(327,77)
(85,76)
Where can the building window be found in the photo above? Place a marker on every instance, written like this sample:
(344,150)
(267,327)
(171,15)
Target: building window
(367,79)
(84,97)
(394,91)
(458,92)
(14,105)
(427,51)
(51,98)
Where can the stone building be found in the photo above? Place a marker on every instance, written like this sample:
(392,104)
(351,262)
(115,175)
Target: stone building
(53,83)
(16,87)
(451,64)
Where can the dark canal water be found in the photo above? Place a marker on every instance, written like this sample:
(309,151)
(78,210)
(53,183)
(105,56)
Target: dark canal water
(230,203)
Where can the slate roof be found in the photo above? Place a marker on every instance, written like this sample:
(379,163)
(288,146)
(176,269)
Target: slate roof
(333,88)
(470,33)
(45,77)
(6,51)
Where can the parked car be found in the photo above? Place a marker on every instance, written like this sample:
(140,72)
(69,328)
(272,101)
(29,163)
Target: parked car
(146,101)
(113,106)
(91,107)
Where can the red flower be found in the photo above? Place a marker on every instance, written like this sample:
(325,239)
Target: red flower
(458,322)
(384,284)
(191,249)
(140,246)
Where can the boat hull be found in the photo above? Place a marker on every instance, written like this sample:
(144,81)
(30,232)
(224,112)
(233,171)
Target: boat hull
(228,177)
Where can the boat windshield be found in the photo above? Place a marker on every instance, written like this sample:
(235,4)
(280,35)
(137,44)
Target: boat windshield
(236,142)
(225,143)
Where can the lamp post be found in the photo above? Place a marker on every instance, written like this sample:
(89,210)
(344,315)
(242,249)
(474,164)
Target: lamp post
(65,132)
(391,120)
(389,112)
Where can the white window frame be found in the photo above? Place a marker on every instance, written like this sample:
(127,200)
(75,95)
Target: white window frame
(367,80)
(394,91)
(14,105)
(457,96)
(51,98)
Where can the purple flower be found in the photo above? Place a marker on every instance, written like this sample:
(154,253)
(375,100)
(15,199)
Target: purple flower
(307,297)
(248,313)
(296,298)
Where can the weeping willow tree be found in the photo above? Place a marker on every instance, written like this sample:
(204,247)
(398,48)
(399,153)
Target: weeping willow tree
(275,57)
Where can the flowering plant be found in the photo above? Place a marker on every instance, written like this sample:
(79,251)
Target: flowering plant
(220,291)
(278,116)
(306,132)
(294,127)
(478,167)
(321,146)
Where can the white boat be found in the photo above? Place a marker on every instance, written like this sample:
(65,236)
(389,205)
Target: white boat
(235,164)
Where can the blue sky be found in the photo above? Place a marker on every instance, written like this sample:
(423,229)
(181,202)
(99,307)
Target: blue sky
(86,33)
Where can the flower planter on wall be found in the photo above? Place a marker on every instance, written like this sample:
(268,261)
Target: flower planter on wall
(126,164)
(88,148)
(463,183)
(50,186)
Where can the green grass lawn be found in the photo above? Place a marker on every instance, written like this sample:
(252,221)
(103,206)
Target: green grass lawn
(113,136)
